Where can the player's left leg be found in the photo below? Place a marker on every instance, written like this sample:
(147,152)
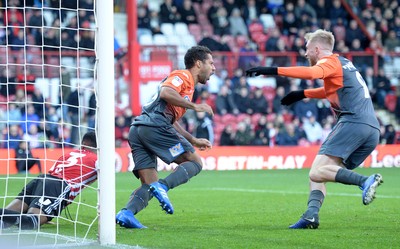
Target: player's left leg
(189,166)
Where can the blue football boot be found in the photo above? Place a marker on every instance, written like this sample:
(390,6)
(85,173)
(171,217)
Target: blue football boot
(125,218)
(304,223)
(369,188)
(159,191)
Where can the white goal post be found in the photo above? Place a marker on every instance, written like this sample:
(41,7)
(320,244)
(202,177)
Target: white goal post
(106,106)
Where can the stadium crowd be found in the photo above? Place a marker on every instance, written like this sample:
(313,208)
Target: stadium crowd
(245,114)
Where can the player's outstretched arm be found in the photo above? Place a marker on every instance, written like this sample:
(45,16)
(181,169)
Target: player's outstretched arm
(293,97)
(300,72)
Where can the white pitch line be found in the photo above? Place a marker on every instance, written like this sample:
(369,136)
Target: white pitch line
(271,192)
(289,192)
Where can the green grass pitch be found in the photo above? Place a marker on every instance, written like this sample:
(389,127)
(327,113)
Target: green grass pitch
(253,209)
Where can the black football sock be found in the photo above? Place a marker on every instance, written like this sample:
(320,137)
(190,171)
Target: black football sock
(181,174)
(349,177)
(25,221)
(315,201)
(139,199)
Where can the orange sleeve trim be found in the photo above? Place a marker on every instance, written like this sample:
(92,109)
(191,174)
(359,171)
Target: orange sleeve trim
(308,73)
(315,93)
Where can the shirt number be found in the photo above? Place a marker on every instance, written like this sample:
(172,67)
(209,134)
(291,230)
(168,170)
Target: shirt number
(363,84)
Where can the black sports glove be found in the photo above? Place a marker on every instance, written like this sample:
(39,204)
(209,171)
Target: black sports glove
(292,97)
(261,71)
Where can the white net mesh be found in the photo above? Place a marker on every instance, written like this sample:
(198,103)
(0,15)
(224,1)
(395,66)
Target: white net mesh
(47,104)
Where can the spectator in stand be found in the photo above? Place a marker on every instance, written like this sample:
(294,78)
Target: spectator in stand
(155,22)
(287,136)
(258,101)
(29,119)
(383,87)
(52,124)
(250,11)
(38,102)
(243,101)
(271,44)
(121,132)
(6,77)
(306,22)
(237,24)
(354,32)
(324,110)
(321,8)
(220,22)
(24,159)
(290,24)
(68,43)
(276,103)
(283,60)
(72,27)
(312,129)
(327,128)
(337,11)
(144,21)
(210,41)
(74,116)
(240,83)
(397,110)
(204,127)
(248,56)
(392,41)
(261,137)
(17,42)
(306,107)
(244,134)
(188,15)
(298,47)
(14,22)
(87,38)
(389,135)
(303,8)
(91,113)
(341,47)
(224,102)
(369,79)
(229,5)
(51,41)
(128,115)
(212,11)
(13,137)
(227,136)
(14,114)
(34,137)
(169,12)
(36,20)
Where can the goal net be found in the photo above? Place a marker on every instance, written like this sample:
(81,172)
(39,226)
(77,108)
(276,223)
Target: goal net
(49,98)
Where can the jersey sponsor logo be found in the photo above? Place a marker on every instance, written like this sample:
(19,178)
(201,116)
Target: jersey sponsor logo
(349,66)
(176,150)
(176,81)
(322,61)
(186,75)
(44,202)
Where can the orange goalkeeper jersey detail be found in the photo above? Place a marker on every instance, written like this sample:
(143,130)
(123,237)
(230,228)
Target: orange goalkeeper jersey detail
(182,81)
(329,69)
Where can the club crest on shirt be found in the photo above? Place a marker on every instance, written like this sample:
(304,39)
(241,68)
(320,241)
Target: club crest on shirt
(176,150)
(176,81)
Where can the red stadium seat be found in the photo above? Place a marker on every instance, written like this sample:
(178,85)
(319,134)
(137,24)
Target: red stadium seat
(390,102)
